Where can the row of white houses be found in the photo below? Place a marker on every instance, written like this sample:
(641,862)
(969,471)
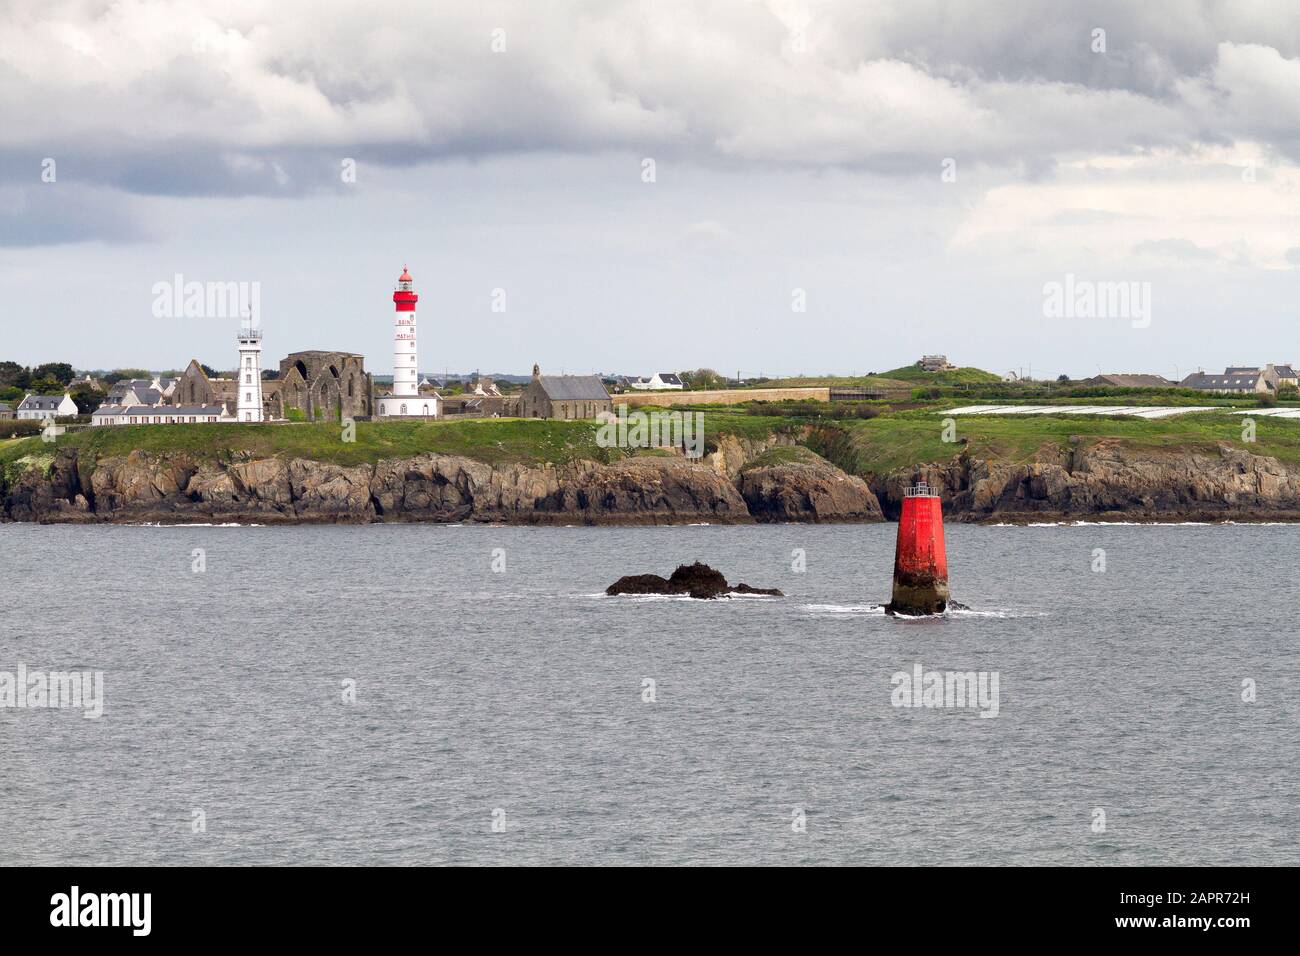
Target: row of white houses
(159,414)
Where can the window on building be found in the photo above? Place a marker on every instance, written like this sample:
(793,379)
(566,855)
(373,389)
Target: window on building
(403,409)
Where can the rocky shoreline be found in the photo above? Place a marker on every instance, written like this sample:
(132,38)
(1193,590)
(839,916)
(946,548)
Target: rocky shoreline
(1097,480)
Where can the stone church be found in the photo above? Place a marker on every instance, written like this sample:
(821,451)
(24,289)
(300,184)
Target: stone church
(321,386)
(195,388)
(564,396)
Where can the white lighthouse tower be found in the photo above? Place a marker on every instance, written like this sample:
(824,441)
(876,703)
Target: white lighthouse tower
(406,374)
(406,400)
(249,405)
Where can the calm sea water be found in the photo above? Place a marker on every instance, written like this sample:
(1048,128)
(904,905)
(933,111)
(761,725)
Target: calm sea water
(519,692)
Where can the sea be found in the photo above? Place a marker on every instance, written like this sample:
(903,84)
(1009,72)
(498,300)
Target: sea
(423,694)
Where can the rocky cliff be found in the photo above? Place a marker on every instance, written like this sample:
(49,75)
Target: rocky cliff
(648,489)
(1110,478)
(739,482)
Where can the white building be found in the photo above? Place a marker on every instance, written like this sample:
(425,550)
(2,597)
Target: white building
(405,401)
(159,415)
(41,407)
(660,381)
(249,402)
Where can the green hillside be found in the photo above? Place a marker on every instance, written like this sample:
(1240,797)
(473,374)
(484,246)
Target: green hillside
(956,376)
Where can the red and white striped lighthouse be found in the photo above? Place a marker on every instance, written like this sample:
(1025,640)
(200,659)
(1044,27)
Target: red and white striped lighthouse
(406,364)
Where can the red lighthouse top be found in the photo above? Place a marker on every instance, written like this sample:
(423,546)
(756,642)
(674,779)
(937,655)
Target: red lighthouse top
(405,297)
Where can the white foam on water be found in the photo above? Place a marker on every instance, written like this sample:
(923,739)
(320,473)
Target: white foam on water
(192,524)
(643,598)
(871,610)
(878,610)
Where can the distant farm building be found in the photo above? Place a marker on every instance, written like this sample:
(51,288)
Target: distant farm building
(1127,380)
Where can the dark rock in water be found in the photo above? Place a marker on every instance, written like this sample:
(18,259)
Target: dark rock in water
(640,584)
(943,606)
(696,580)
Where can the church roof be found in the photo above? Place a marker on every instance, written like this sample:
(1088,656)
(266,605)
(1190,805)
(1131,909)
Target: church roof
(582,388)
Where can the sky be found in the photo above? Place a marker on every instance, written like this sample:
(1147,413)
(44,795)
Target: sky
(758,186)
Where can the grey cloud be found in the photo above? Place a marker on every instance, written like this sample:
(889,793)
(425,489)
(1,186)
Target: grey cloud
(57,213)
(182,98)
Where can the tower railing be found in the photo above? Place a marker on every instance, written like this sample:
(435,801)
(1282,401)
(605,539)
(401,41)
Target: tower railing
(921,489)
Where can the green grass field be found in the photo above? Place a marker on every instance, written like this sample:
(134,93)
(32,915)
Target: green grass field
(895,439)
(957,376)
(491,440)
(907,438)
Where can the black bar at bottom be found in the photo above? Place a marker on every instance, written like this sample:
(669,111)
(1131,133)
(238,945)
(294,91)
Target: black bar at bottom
(332,906)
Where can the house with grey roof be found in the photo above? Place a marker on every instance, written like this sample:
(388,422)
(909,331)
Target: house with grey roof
(41,407)
(1277,375)
(1280,375)
(564,396)
(1230,383)
(6,411)
(659,381)
(119,393)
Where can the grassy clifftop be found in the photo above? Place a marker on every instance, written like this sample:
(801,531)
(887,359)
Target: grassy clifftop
(490,440)
(897,438)
(903,439)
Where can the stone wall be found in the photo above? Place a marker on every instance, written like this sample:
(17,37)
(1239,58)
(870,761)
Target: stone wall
(724,396)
